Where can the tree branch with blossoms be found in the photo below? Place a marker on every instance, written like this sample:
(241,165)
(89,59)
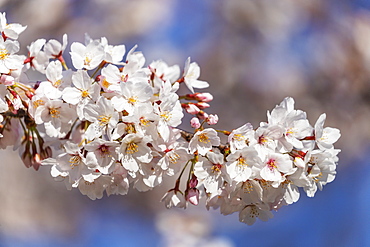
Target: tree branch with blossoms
(112,123)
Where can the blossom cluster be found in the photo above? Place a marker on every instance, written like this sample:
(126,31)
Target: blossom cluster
(111,123)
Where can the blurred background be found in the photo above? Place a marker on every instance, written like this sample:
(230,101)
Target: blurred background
(253,53)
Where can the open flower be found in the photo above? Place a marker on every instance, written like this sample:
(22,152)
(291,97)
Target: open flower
(191,75)
(203,141)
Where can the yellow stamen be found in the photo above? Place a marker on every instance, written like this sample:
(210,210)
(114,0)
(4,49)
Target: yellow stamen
(75,160)
(247,187)
(238,137)
(105,83)
(54,112)
(166,116)
(87,61)
(242,162)
(144,121)
(318,177)
(132,100)
(3,54)
(216,168)
(57,83)
(85,93)
(204,138)
(130,128)
(174,157)
(290,131)
(104,120)
(38,102)
(131,148)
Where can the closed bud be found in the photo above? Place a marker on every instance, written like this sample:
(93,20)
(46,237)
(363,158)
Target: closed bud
(194,122)
(192,196)
(191,108)
(202,105)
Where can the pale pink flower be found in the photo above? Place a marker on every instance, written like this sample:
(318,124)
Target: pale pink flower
(191,75)
(203,141)
(10,30)
(8,59)
(87,57)
(325,137)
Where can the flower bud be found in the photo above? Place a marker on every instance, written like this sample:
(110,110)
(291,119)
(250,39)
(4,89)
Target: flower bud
(194,122)
(202,105)
(193,182)
(192,196)
(191,108)
(202,115)
(201,97)
(212,119)
(204,97)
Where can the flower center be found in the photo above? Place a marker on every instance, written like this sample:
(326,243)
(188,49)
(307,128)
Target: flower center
(262,140)
(247,187)
(166,116)
(174,157)
(105,83)
(204,138)
(130,128)
(271,164)
(85,93)
(57,83)
(144,121)
(132,100)
(87,61)
(54,112)
(131,148)
(75,160)
(242,162)
(290,131)
(104,120)
(216,168)
(104,151)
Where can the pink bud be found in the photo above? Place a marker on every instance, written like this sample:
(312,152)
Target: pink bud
(202,115)
(194,122)
(193,182)
(212,119)
(191,108)
(193,196)
(202,105)
(204,97)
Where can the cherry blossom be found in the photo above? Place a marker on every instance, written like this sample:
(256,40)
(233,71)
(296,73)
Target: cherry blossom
(112,124)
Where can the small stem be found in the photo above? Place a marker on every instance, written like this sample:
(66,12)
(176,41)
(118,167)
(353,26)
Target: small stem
(70,131)
(193,161)
(183,169)
(101,65)
(225,132)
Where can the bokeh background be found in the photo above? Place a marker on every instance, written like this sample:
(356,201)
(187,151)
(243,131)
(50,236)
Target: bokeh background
(253,53)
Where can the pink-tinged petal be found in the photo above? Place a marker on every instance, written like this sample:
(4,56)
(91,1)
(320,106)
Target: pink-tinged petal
(193,196)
